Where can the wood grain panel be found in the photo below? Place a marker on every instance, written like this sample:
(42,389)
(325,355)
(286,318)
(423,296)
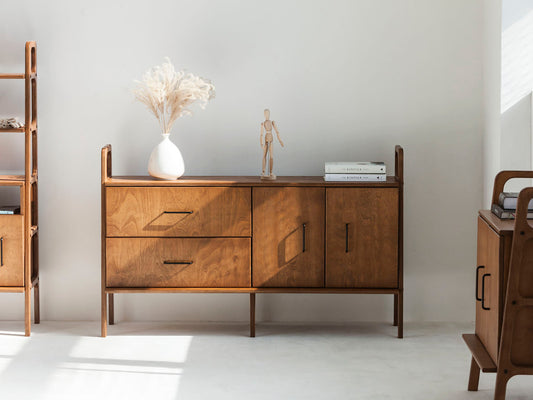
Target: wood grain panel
(11,232)
(280,257)
(362,237)
(487,321)
(140,262)
(156,211)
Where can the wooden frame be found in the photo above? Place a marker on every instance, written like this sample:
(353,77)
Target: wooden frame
(515,349)
(29,189)
(108,181)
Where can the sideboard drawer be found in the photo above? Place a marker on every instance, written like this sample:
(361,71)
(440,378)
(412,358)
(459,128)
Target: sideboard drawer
(164,262)
(178,212)
(11,257)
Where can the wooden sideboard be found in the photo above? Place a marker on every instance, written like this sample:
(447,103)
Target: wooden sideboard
(502,342)
(243,235)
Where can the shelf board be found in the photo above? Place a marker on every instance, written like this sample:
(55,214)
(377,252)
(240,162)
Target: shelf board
(7,130)
(12,76)
(479,353)
(11,180)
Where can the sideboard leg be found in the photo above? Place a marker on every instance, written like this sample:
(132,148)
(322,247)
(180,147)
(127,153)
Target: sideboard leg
(104,314)
(501,385)
(400,314)
(27,311)
(395,323)
(252,314)
(111,309)
(36,305)
(473,381)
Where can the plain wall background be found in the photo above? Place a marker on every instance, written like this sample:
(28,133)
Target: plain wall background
(344,79)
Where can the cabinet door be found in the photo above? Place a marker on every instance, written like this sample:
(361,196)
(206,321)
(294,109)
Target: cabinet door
(362,237)
(288,237)
(488,287)
(11,254)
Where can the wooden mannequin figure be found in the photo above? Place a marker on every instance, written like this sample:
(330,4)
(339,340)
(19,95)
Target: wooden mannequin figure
(266,128)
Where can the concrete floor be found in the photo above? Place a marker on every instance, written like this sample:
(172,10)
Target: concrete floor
(68,360)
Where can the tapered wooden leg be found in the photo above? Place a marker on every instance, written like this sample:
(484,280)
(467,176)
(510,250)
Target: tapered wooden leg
(400,314)
(27,311)
(501,385)
(104,314)
(252,314)
(111,309)
(36,304)
(395,323)
(473,381)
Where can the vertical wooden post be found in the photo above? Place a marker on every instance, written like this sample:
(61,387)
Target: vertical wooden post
(252,314)
(105,174)
(111,300)
(398,173)
(36,306)
(400,315)
(395,323)
(473,381)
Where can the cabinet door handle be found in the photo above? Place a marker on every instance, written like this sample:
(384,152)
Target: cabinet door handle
(346,247)
(477,282)
(303,238)
(178,212)
(1,251)
(483,292)
(177,262)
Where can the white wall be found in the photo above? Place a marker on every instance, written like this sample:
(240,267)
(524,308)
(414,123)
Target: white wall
(344,80)
(492,38)
(516,87)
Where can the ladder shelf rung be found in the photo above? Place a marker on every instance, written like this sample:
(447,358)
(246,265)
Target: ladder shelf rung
(12,76)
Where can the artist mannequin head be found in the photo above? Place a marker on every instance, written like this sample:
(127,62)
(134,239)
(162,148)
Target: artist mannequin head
(267,113)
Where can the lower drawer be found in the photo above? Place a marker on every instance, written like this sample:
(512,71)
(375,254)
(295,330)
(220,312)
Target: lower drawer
(11,250)
(167,262)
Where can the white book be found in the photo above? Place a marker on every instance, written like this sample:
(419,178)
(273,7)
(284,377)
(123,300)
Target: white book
(350,167)
(355,177)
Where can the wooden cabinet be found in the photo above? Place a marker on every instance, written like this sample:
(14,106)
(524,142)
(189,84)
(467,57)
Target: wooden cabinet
(502,342)
(288,237)
(492,253)
(362,237)
(245,235)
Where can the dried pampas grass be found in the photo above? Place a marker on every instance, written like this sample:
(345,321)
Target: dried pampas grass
(169,94)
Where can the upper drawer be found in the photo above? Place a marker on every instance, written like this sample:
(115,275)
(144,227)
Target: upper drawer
(178,212)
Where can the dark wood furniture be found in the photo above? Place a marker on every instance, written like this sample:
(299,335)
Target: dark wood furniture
(243,235)
(19,238)
(503,340)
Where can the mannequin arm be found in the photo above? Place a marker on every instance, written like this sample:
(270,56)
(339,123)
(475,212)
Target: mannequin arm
(277,133)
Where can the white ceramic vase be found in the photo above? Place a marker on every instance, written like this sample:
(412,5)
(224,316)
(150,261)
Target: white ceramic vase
(166,161)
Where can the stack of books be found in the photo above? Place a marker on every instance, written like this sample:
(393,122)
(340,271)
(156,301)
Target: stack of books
(9,210)
(506,207)
(351,171)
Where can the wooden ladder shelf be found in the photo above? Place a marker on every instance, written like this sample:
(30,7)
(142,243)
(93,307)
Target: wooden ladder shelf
(19,234)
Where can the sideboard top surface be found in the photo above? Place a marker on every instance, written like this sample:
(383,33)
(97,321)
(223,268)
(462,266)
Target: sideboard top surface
(242,181)
(501,226)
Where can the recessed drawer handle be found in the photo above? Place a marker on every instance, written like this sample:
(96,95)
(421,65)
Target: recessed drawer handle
(1,251)
(346,246)
(178,212)
(483,292)
(177,262)
(303,238)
